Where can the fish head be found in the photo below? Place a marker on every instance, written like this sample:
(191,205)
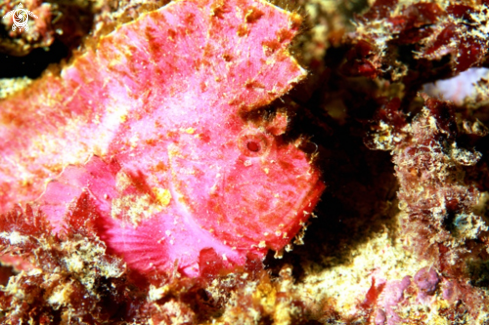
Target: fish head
(247,185)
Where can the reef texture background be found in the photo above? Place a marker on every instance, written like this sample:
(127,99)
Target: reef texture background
(395,106)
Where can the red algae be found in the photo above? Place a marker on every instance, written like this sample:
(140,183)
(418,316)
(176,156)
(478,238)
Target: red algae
(435,32)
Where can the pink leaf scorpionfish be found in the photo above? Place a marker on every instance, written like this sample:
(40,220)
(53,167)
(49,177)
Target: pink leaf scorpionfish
(148,129)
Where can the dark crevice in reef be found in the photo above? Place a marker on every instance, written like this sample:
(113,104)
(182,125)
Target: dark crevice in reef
(351,211)
(360,198)
(30,52)
(479,273)
(33,64)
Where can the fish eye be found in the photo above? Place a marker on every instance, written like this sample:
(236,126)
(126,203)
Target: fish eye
(254,144)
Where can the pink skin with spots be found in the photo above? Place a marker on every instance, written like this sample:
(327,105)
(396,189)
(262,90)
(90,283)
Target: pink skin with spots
(149,131)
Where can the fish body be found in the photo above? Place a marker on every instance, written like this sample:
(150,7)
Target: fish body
(147,132)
